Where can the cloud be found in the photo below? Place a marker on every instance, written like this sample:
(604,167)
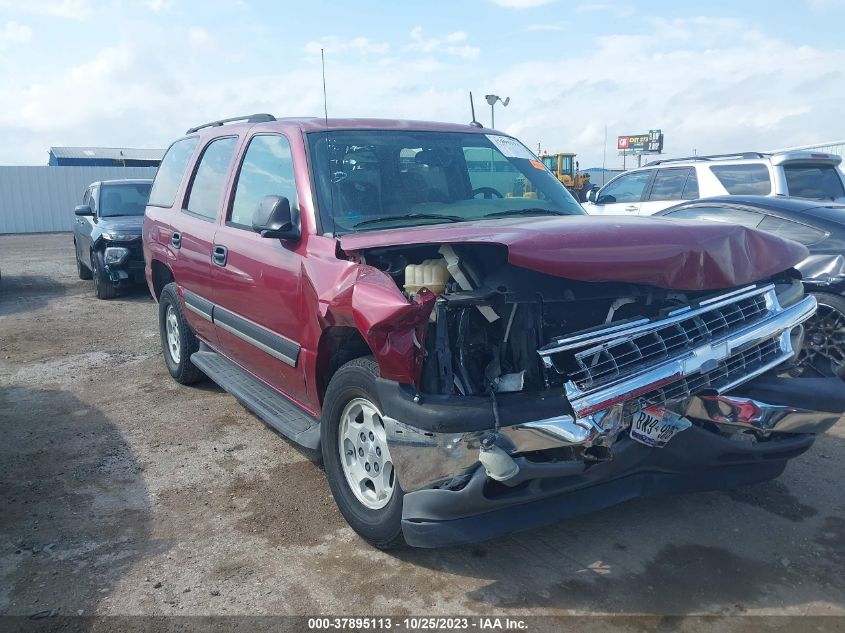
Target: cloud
(74,9)
(336,45)
(534,28)
(451,44)
(198,35)
(13,32)
(616,8)
(159,6)
(823,6)
(522,4)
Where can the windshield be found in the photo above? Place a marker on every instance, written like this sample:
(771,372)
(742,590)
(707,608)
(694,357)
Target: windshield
(818,182)
(369,180)
(124,199)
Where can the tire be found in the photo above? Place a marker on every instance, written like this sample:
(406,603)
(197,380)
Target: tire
(81,269)
(377,519)
(178,342)
(823,353)
(104,287)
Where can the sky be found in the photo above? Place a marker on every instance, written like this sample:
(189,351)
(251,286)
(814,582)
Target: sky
(715,76)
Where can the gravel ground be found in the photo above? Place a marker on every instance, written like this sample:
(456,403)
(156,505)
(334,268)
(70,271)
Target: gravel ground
(122,492)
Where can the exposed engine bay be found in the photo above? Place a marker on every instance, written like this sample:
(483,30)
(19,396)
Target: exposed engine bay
(607,353)
(491,318)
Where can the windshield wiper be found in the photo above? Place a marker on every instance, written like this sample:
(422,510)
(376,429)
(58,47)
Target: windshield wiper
(410,216)
(529,211)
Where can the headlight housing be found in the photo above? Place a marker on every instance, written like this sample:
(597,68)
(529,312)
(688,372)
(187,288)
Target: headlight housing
(115,255)
(120,237)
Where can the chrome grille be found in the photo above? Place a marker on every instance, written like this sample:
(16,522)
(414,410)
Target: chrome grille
(626,355)
(730,370)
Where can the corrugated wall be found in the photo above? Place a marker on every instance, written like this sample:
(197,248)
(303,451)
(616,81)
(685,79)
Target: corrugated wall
(42,199)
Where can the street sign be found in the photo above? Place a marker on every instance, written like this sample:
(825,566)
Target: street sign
(651,143)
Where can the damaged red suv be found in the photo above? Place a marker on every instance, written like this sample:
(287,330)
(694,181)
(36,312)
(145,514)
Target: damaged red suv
(427,305)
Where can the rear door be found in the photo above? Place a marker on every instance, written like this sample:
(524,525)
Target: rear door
(670,186)
(257,280)
(193,234)
(622,195)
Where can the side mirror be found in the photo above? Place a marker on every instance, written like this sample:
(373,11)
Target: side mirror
(83,209)
(591,195)
(274,218)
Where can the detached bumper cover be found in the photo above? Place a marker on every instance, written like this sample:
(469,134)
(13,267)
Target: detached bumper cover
(784,415)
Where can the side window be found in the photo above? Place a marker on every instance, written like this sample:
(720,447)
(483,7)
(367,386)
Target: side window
(209,181)
(171,171)
(627,188)
(267,170)
(751,179)
(669,184)
(733,215)
(818,182)
(95,194)
(691,188)
(86,197)
(792,230)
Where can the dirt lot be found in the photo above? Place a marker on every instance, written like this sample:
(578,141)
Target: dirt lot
(122,492)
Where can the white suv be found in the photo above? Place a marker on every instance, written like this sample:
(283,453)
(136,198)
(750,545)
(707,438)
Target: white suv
(663,183)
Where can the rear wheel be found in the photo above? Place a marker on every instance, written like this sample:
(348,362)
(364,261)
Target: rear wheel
(81,269)
(356,455)
(103,286)
(177,340)
(823,353)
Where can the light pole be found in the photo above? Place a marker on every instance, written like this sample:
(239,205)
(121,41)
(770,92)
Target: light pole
(492,99)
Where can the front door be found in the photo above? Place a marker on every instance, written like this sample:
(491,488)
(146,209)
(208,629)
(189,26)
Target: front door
(257,292)
(622,195)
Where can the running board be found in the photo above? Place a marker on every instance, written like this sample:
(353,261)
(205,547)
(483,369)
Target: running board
(269,405)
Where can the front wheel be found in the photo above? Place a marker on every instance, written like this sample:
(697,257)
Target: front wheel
(356,455)
(823,353)
(103,286)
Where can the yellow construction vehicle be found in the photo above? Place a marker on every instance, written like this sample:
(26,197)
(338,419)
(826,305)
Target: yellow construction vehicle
(565,168)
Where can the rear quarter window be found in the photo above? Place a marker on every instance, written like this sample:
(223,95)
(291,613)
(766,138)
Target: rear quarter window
(792,230)
(752,179)
(817,182)
(171,171)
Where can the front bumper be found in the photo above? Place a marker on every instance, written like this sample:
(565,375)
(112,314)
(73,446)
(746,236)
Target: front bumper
(130,270)
(742,437)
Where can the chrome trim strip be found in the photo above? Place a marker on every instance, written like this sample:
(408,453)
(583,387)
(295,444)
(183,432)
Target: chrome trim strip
(265,348)
(197,311)
(587,402)
(595,338)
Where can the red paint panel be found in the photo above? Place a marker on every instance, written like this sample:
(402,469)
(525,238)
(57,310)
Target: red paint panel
(675,254)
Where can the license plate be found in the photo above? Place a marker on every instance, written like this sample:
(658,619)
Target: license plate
(654,426)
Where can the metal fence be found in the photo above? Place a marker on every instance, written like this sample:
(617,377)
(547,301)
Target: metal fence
(41,199)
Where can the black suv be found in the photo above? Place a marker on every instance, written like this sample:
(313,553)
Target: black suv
(107,234)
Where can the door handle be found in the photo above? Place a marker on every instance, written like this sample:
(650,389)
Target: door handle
(176,240)
(631,207)
(219,255)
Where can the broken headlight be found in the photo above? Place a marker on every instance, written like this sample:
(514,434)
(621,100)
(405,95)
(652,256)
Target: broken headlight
(115,255)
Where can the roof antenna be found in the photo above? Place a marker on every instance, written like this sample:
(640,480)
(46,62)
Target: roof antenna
(473,123)
(329,174)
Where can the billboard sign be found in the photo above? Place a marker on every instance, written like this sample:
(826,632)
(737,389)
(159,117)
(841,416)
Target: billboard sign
(651,143)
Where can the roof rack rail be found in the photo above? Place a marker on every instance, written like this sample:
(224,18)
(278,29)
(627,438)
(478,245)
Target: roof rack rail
(261,117)
(710,157)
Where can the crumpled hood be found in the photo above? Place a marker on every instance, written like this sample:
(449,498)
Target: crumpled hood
(674,254)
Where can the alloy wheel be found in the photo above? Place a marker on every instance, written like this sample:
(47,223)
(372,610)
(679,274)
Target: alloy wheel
(171,324)
(364,454)
(823,352)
